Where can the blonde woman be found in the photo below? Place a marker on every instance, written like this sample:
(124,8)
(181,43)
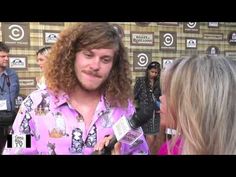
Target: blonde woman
(200,97)
(41,59)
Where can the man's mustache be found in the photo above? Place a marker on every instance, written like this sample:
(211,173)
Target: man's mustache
(93,73)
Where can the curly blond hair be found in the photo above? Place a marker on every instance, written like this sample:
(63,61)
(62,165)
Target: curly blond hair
(59,68)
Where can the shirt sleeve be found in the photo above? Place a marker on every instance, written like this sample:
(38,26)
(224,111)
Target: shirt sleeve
(23,124)
(14,88)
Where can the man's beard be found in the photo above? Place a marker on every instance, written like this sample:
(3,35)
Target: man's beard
(3,66)
(99,88)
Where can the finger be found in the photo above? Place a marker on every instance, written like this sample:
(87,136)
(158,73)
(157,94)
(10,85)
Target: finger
(104,142)
(117,148)
(107,140)
(99,146)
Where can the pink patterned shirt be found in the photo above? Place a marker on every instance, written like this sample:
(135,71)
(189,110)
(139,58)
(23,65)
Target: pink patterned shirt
(57,128)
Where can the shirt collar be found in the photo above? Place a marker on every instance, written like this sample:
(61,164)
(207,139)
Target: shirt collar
(103,106)
(59,100)
(62,98)
(4,72)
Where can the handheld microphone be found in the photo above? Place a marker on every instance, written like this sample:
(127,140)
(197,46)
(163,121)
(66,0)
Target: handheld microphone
(128,131)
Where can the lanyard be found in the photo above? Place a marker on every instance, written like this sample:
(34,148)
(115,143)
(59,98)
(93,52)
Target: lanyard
(3,82)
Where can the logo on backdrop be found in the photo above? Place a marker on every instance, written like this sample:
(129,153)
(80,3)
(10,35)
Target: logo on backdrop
(167,40)
(191,43)
(16,34)
(141,60)
(50,37)
(232,38)
(142,38)
(191,27)
(166,61)
(18,62)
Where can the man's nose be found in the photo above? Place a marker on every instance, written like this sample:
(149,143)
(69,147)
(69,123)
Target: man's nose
(95,64)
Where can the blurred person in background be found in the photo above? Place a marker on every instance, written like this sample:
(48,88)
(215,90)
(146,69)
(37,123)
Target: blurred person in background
(41,59)
(9,90)
(146,88)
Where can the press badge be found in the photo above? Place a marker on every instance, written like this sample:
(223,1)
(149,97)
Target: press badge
(3,105)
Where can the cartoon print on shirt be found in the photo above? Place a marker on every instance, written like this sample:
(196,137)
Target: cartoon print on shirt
(79,117)
(60,127)
(36,135)
(28,104)
(43,106)
(24,126)
(91,140)
(51,148)
(77,141)
(107,120)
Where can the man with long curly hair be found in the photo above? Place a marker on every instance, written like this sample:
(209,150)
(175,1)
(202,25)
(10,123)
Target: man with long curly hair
(88,89)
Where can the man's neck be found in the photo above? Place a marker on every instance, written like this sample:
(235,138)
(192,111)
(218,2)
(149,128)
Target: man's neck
(85,102)
(84,97)
(2,69)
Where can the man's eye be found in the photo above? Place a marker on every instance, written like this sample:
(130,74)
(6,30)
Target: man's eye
(106,60)
(88,55)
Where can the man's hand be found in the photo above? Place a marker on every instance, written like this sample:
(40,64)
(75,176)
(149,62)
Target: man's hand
(100,145)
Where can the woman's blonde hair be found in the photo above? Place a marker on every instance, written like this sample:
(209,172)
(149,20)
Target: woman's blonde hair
(201,93)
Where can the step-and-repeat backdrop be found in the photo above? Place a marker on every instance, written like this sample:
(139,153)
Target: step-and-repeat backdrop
(144,41)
